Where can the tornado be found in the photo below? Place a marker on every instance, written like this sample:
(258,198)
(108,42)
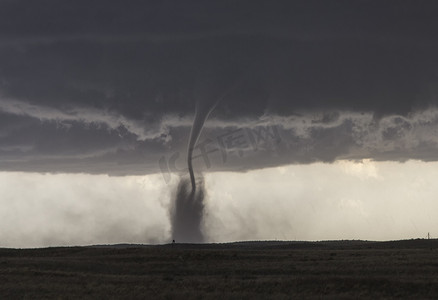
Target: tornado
(189,196)
(188,206)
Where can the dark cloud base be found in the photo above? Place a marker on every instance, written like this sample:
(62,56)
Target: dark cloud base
(112,88)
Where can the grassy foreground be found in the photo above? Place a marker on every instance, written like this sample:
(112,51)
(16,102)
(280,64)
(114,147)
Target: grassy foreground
(253,270)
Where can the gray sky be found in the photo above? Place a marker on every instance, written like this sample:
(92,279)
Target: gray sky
(109,88)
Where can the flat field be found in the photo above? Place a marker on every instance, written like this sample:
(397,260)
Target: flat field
(246,270)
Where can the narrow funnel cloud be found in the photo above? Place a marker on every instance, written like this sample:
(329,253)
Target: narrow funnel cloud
(202,112)
(211,87)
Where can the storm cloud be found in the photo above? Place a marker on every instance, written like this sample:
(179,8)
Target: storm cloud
(100,87)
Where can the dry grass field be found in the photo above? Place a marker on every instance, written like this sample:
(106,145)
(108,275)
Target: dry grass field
(248,270)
